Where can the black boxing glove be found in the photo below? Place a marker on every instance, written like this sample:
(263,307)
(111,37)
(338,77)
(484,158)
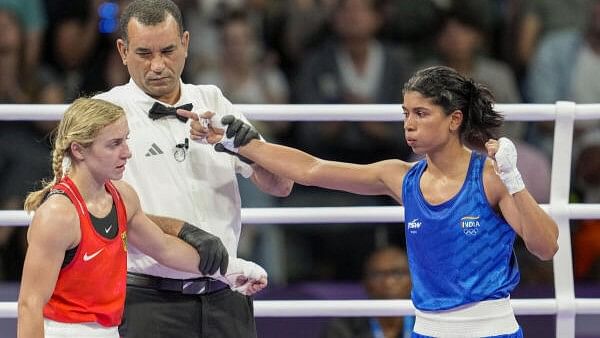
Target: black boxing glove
(237,133)
(213,255)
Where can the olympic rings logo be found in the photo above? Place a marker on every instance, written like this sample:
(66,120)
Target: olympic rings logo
(470,225)
(471,232)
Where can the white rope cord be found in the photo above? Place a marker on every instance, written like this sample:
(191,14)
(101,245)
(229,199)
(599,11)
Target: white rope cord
(306,215)
(318,112)
(565,306)
(364,308)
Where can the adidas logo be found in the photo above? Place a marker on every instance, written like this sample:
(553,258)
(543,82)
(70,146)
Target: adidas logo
(154,150)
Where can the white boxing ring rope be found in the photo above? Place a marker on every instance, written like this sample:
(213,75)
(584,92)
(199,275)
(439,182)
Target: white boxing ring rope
(565,306)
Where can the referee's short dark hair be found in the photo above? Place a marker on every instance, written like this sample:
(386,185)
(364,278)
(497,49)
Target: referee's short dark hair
(149,13)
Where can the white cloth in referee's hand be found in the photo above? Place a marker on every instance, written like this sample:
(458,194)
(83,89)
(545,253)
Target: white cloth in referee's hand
(241,274)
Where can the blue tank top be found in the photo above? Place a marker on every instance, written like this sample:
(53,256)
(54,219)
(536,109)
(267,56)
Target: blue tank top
(459,251)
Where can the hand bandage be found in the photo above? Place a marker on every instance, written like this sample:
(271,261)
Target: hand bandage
(226,143)
(237,133)
(215,122)
(205,122)
(506,162)
(241,270)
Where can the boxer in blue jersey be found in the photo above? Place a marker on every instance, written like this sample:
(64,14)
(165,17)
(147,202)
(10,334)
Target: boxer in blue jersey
(465,202)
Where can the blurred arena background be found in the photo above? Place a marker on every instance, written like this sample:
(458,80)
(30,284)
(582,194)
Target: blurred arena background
(284,52)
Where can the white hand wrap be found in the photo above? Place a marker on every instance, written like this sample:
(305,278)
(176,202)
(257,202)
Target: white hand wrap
(506,161)
(205,123)
(215,122)
(227,142)
(241,269)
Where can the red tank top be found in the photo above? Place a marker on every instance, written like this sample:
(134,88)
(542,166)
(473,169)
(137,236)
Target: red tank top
(91,288)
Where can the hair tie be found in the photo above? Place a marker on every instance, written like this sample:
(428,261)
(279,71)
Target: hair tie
(66,164)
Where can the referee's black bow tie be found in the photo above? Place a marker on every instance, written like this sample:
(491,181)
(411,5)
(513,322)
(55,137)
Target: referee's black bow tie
(159,111)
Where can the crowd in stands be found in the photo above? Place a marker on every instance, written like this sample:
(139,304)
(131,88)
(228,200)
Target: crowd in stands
(319,51)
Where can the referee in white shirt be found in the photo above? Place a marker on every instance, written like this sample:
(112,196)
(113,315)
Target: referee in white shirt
(179,180)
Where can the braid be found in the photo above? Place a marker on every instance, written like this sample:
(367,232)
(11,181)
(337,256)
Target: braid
(35,198)
(58,156)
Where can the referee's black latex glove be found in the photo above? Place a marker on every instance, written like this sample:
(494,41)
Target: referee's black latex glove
(213,255)
(237,134)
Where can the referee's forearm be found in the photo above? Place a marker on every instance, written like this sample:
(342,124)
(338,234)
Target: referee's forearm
(168,225)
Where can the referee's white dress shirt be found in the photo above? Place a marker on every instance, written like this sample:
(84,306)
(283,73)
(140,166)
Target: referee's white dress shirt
(201,188)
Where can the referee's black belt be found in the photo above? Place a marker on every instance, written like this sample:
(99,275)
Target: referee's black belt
(196,286)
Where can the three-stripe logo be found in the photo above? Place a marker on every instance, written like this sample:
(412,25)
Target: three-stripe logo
(154,150)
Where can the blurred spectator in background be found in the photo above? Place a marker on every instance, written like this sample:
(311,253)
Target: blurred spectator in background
(24,150)
(242,71)
(201,16)
(303,25)
(245,73)
(412,23)
(540,17)
(462,45)
(204,18)
(586,246)
(32,17)
(12,45)
(566,66)
(351,67)
(535,168)
(385,276)
(79,51)
(246,77)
